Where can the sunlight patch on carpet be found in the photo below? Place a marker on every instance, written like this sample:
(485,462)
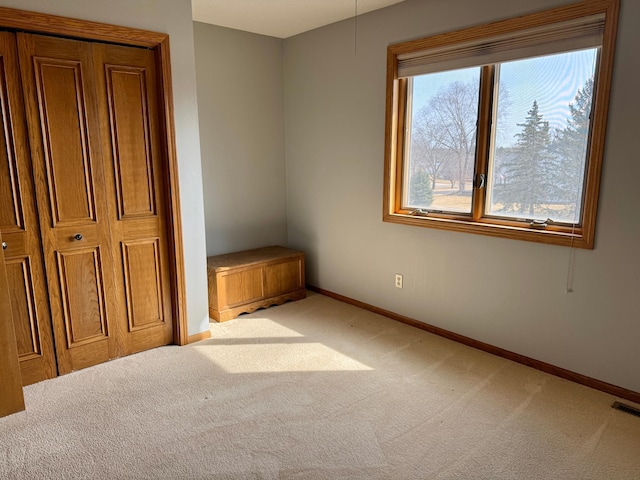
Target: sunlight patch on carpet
(279,357)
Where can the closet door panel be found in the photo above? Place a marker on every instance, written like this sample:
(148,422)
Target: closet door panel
(82,286)
(132,153)
(11,218)
(134,162)
(143,288)
(20,228)
(11,397)
(23,306)
(59,88)
(66,141)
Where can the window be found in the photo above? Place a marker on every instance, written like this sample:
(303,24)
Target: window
(499,129)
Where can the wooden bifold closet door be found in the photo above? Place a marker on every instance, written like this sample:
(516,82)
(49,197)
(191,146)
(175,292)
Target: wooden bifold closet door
(91,111)
(133,160)
(20,228)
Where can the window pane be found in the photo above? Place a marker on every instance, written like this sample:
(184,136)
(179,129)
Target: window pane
(442,141)
(542,127)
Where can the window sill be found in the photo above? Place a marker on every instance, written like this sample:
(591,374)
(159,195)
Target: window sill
(552,235)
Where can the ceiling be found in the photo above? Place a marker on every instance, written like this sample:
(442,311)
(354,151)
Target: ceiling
(280,18)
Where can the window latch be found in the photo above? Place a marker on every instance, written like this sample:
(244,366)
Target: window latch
(423,212)
(540,223)
(480,180)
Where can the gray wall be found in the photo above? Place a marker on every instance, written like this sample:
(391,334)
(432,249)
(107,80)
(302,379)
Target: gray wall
(507,293)
(241,102)
(174,18)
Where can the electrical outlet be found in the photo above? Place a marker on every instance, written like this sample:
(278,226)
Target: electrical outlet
(398,280)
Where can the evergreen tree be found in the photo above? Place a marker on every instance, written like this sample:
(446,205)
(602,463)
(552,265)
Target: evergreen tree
(530,171)
(420,191)
(570,145)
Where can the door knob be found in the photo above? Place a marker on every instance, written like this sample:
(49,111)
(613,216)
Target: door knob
(4,245)
(77,236)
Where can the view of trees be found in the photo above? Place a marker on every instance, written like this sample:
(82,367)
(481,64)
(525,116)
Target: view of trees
(421,191)
(444,134)
(542,175)
(530,168)
(539,176)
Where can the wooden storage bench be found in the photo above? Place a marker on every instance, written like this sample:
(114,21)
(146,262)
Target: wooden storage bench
(242,282)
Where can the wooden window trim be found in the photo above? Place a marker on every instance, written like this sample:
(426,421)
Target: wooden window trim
(581,236)
(33,22)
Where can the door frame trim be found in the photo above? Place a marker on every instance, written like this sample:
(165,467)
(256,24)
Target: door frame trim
(40,23)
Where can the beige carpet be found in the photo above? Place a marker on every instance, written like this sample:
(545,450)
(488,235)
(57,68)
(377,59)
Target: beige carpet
(317,389)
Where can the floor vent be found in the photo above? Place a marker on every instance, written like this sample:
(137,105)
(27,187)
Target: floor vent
(626,408)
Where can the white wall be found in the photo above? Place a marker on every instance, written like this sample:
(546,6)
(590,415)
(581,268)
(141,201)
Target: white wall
(507,293)
(241,103)
(174,18)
